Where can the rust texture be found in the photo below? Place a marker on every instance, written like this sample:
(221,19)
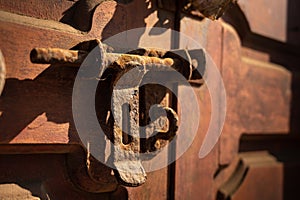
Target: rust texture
(120,63)
(157,141)
(129,169)
(43,114)
(40,149)
(57,56)
(157,94)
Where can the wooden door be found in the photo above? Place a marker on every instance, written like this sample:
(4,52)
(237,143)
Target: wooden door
(255,47)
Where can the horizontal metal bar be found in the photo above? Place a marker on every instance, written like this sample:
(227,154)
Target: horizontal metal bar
(123,62)
(76,57)
(183,61)
(57,56)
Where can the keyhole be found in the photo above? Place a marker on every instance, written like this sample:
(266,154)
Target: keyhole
(126,137)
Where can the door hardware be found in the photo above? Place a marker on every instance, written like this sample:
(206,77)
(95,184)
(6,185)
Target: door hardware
(126,95)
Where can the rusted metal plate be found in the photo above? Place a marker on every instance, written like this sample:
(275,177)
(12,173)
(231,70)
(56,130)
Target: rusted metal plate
(129,169)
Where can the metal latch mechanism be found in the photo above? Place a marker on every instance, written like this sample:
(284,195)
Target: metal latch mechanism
(127,72)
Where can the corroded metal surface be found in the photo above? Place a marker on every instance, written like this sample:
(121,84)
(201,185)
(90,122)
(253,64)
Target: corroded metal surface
(128,165)
(129,169)
(36,100)
(156,142)
(120,63)
(57,56)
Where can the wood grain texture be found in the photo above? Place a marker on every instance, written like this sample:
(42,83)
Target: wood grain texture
(258,96)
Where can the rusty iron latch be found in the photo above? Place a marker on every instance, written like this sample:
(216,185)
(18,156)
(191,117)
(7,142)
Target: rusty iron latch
(125,98)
